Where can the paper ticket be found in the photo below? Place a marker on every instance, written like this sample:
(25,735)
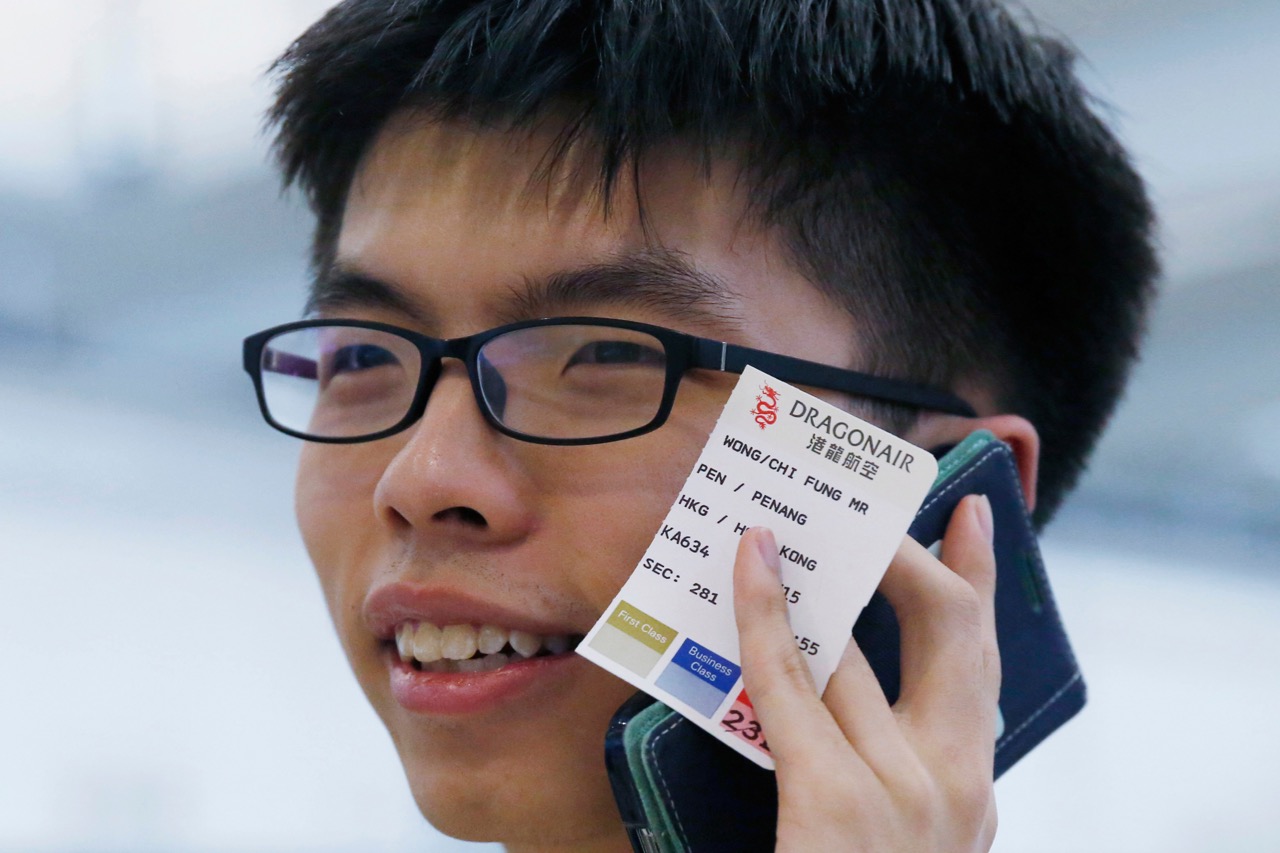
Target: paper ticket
(838,494)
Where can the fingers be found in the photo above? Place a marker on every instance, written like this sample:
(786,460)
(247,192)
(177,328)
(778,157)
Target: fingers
(950,666)
(972,557)
(857,702)
(967,545)
(917,771)
(777,679)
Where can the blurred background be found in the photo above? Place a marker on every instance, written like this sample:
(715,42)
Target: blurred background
(170,681)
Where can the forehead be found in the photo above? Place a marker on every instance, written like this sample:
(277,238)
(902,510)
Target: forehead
(486,177)
(461,218)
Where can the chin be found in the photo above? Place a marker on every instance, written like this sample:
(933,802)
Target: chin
(535,778)
(518,803)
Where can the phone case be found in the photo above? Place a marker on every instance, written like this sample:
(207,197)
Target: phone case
(678,789)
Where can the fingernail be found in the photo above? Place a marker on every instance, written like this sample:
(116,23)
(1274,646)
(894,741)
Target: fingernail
(768,547)
(982,508)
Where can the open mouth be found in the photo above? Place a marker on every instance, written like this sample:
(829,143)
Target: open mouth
(468,648)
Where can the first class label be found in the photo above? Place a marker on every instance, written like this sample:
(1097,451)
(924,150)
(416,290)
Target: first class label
(642,627)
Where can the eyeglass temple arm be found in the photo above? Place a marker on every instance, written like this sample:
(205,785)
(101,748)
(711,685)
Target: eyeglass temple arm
(717,355)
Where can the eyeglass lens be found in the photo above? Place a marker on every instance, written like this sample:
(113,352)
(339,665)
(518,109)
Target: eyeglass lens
(556,381)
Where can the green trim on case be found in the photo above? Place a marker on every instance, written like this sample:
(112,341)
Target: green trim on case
(636,740)
(960,455)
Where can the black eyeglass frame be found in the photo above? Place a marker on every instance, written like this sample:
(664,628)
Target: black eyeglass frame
(684,353)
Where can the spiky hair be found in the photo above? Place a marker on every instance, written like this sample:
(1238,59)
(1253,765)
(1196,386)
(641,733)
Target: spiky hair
(934,169)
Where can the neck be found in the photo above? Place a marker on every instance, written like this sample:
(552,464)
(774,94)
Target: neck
(610,842)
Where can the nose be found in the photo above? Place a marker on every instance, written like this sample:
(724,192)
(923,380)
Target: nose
(455,477)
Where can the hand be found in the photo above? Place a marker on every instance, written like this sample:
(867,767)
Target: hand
(853,772)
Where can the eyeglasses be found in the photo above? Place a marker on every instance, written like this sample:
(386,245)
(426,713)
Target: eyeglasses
(565,380)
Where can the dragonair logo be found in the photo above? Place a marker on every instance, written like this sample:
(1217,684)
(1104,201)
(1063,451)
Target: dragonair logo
(766,410)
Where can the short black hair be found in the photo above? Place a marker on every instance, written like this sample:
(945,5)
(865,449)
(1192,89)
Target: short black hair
(935,169)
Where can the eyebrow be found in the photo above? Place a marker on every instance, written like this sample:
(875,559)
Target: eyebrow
(654,279)
(344,286)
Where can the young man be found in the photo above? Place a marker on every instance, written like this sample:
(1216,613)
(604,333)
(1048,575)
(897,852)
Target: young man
(911,190)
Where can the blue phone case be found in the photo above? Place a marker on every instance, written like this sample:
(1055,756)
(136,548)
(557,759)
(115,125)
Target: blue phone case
(678,789)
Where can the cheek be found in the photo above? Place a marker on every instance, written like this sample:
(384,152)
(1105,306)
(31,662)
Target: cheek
(333,500)
(619,495)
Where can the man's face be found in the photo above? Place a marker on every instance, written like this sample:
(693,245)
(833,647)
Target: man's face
(452,523)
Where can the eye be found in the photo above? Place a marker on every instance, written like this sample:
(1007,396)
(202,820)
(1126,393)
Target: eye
(360,357)
(617,352)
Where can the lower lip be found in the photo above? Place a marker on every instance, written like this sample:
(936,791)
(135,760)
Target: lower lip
(472,692)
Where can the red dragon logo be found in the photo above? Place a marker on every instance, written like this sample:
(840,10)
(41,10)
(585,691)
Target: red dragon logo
(766,410)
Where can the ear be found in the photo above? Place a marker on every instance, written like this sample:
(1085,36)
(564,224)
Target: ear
(1014,430)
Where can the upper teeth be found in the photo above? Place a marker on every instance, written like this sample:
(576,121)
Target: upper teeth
(427,643)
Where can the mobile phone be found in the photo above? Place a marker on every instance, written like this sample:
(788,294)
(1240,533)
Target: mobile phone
(681,791)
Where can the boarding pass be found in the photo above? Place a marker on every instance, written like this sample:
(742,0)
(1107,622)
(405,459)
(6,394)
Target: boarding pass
(838,494)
